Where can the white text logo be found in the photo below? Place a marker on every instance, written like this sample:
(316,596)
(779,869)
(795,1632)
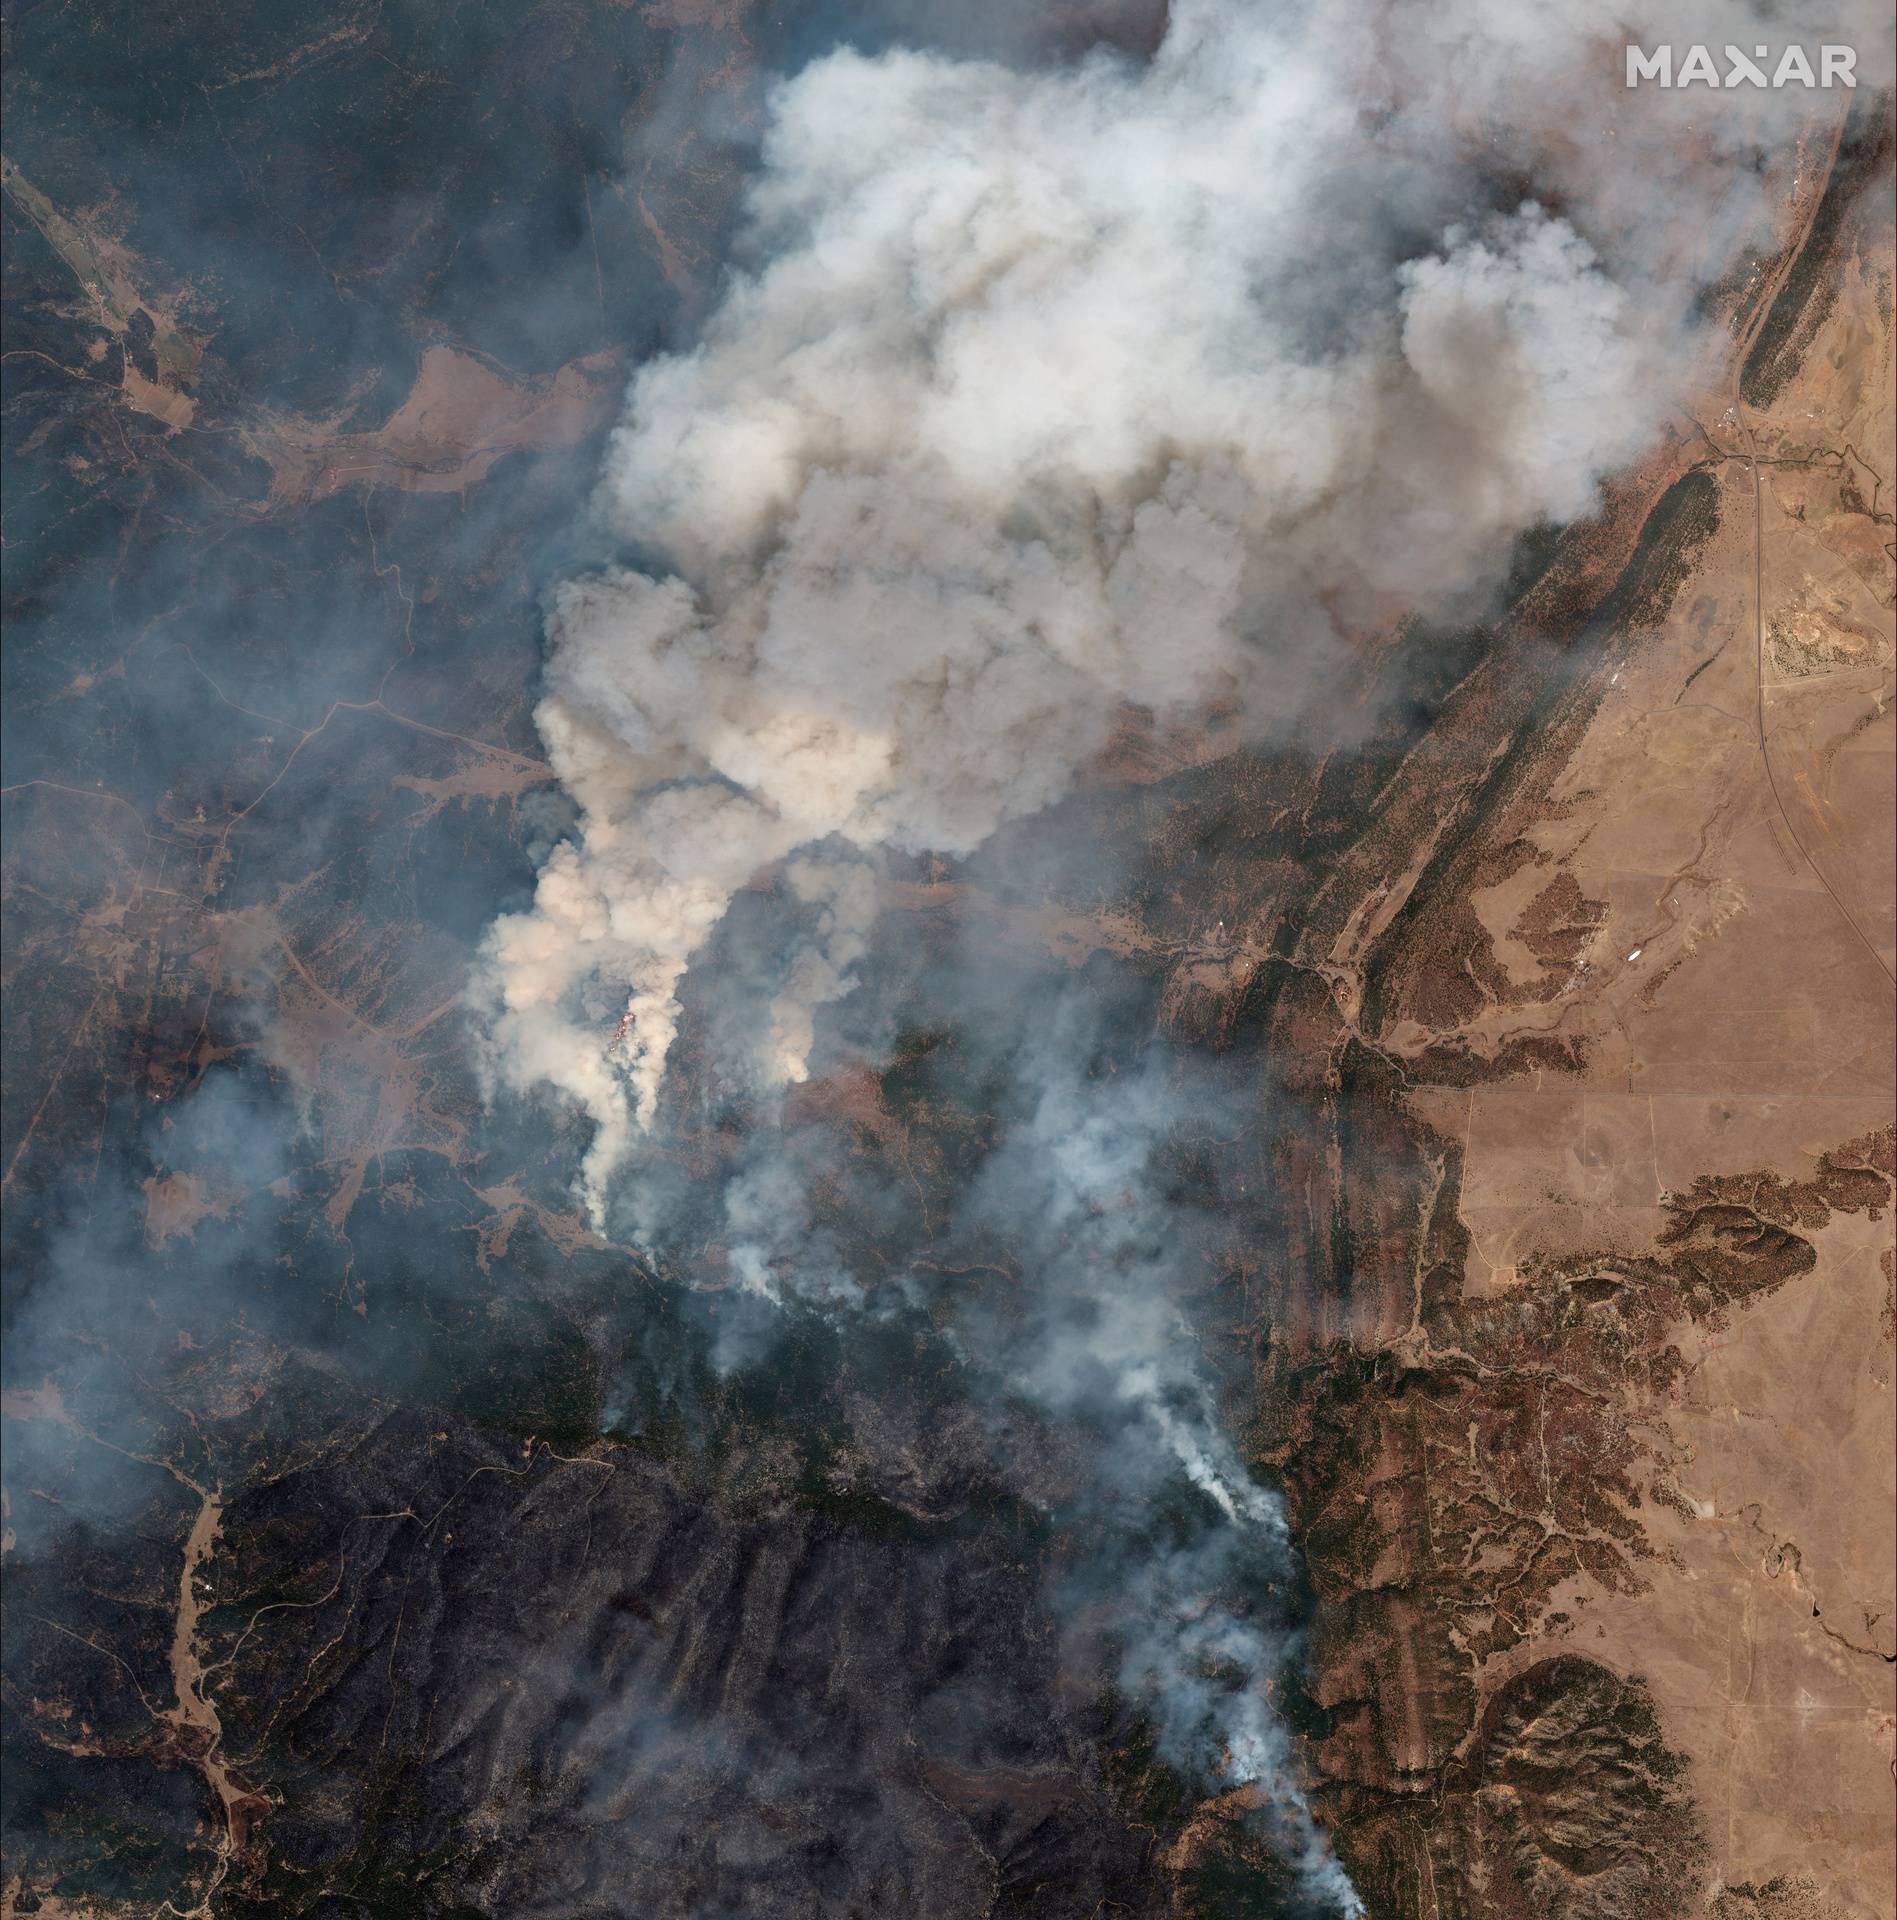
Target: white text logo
(1837,67)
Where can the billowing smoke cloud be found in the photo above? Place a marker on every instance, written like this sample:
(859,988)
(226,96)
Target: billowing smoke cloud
(1060,391)
(1051,394)
(1055,392)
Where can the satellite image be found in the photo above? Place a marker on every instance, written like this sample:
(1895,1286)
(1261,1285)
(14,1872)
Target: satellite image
(948,960)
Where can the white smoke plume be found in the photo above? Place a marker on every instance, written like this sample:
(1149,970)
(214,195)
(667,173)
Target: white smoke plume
(1055,392)
(1050,394)
(1077,1187)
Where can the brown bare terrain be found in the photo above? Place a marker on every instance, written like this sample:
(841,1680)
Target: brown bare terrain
(1662,975)
(461,417)
(160,356)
